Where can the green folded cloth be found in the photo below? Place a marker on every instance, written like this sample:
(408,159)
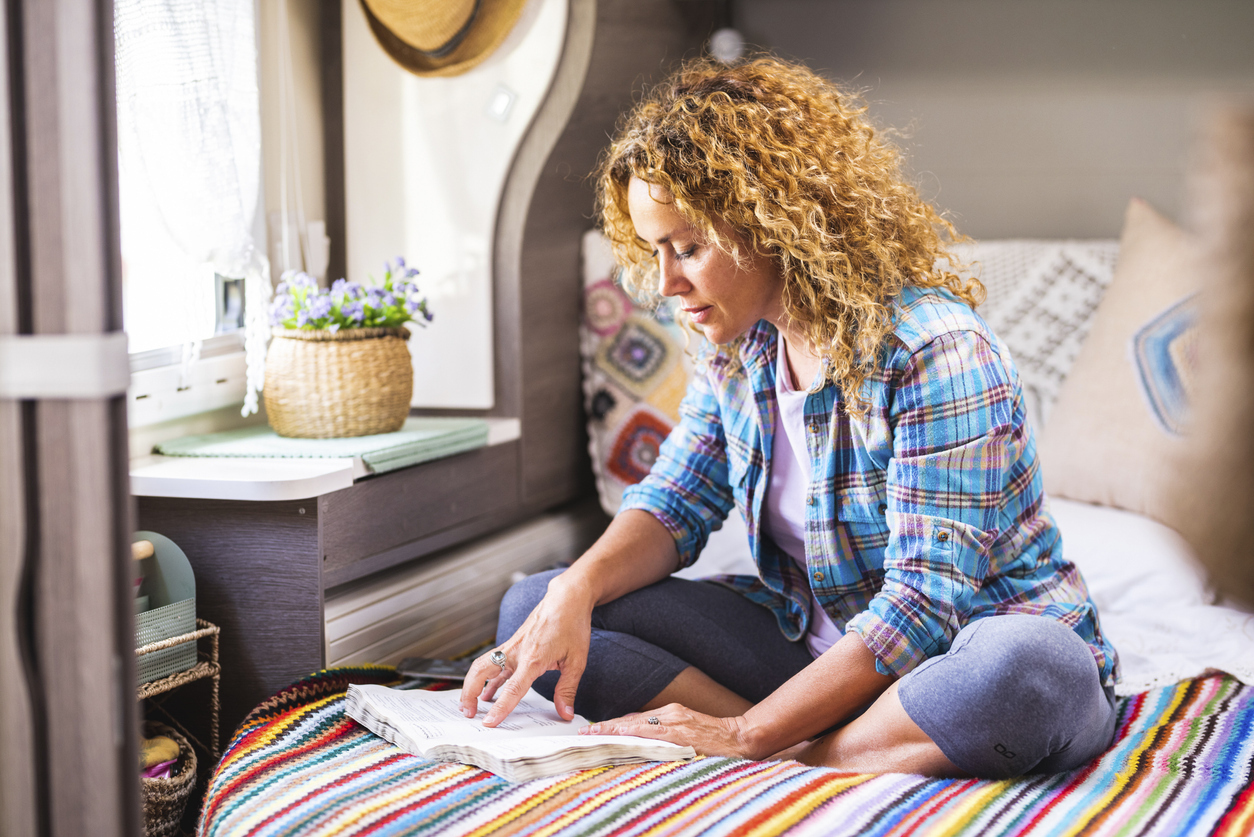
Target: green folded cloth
(419,440)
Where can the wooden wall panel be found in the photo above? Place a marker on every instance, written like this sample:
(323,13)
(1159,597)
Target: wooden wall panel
(82,622)
(17,776)
(18,806)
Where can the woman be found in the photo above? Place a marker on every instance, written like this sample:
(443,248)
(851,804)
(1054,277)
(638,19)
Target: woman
(913,611)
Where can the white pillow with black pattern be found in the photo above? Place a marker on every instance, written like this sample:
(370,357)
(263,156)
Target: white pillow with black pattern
(1042,296)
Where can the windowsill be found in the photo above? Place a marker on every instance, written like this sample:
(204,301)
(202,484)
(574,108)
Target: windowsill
(262,480)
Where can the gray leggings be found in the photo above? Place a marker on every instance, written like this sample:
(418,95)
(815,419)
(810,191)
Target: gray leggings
(1014,694)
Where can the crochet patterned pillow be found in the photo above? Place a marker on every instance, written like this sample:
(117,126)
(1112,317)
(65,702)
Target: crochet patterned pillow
(636,366)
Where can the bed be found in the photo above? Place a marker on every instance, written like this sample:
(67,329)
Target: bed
(1183,759)
(1180,765)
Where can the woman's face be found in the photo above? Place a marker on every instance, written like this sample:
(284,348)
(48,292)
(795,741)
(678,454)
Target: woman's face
(724,298)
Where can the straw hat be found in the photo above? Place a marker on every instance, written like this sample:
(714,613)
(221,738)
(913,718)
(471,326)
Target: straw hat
(440,37)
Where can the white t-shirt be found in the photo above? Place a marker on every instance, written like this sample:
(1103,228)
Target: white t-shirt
(784,517)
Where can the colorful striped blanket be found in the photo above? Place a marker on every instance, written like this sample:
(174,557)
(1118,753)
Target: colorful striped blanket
(1181,764)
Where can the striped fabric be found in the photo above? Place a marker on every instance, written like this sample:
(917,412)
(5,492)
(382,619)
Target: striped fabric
(1181,764)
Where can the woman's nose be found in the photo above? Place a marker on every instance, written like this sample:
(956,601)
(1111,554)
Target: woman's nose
(670,277)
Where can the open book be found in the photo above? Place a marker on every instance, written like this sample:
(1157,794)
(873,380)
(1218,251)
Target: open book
(532,742)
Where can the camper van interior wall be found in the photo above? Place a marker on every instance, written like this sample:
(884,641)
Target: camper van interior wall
(339,363)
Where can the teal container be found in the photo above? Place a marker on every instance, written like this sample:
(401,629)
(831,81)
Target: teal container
(171,590)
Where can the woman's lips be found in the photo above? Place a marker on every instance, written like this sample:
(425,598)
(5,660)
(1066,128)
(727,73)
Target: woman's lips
(698,315)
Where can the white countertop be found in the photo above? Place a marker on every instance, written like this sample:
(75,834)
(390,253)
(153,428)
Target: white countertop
(263,479)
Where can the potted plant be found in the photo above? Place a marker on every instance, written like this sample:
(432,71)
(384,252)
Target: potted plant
(339,363)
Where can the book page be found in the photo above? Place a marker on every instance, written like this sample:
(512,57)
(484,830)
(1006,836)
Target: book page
(433,718)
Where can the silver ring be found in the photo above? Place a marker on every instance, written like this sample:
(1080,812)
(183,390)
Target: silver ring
(653,720)
(498,657)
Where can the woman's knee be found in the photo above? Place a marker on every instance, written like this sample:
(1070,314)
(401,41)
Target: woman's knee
(1012,693)
(1037,658)
(520,600)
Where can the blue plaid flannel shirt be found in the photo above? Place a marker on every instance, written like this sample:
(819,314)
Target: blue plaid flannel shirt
(921,518)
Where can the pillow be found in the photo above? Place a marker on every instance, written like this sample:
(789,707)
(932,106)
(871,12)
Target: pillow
(1041,299)
(636,366)
(1119,418)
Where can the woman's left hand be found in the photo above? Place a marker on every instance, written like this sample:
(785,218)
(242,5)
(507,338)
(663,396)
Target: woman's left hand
(708,735)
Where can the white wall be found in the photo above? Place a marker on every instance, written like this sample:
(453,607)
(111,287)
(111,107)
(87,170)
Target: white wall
(425,161)
(1033,118)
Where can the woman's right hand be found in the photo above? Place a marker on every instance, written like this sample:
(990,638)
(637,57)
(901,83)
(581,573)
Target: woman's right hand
(555,636)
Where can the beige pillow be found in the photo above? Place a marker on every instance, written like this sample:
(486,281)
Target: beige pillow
(1116,431)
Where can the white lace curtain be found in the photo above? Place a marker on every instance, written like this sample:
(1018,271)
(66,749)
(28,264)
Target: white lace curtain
(189,143)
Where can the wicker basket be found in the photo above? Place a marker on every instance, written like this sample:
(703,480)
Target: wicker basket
(324,385)
(166,799)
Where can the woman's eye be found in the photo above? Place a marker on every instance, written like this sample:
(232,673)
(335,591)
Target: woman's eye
(683,254)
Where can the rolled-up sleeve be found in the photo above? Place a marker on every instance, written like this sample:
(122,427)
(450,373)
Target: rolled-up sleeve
(687,488)
(953,444)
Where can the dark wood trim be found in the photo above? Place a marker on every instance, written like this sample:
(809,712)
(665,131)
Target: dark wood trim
(332,63)
(23,771)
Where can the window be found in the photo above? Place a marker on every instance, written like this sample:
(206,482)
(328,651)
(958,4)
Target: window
(189,166)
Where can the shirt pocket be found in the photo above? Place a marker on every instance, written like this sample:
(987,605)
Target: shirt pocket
(862,510)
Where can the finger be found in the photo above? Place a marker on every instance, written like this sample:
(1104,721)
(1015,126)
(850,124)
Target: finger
(480,674)
(509,693)
(490,686)
(635,723)
(564,692)
(472,687)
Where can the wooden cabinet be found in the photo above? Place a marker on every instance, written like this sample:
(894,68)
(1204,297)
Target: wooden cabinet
(262,567)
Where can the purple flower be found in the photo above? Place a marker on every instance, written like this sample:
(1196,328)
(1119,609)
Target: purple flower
(280,310)
(320,306)
(299,302)
(354,311)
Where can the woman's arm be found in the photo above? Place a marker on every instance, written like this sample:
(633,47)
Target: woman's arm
(635,551)
(664,523)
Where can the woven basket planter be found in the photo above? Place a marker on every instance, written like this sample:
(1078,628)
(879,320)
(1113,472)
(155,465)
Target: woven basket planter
(166,799)
(324,385)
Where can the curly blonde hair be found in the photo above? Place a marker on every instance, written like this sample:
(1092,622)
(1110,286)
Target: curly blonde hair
(790,162)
